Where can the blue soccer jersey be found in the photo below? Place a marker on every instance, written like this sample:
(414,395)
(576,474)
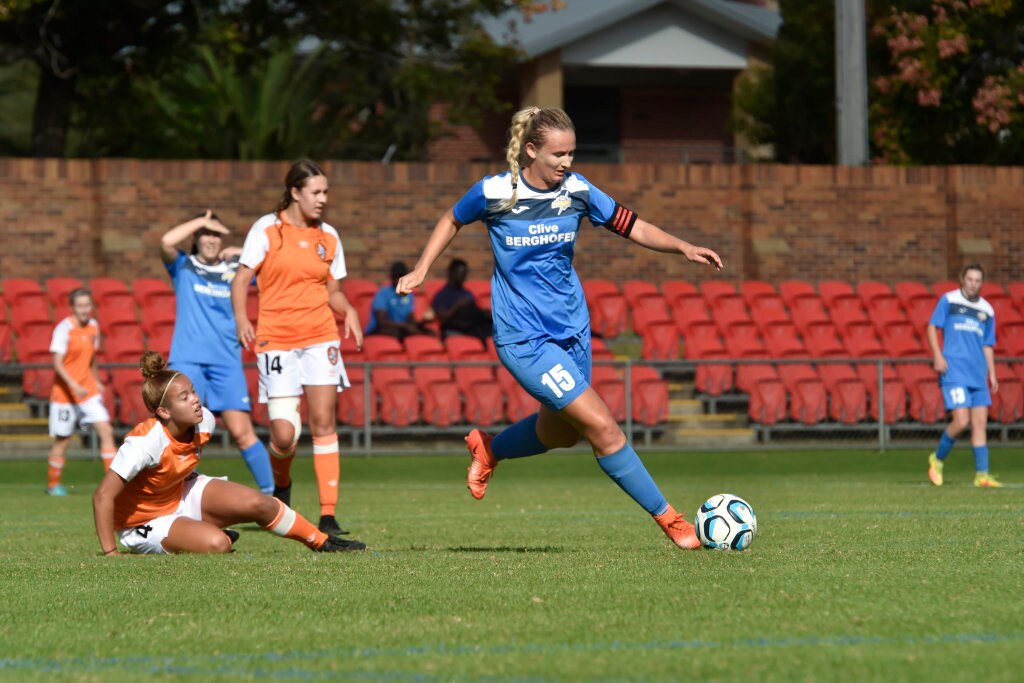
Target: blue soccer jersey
(535,291)
(967,327)
(204,331)
(397,307)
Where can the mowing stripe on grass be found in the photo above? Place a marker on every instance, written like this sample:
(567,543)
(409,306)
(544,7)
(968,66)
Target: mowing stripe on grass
(222,664)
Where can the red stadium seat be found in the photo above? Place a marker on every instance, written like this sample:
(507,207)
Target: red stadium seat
(30,317)
(794,290)
(1010,339)
(913,373)
(661,341)
(599,287)
(131,409)
(634,290)
(160,340)
(767,310)
(846,311)
(612,390)
(399,402)
(833,291)
(650,396)
(747,376)
(461,347)
(484,403)
(650,310)
(943,287)
(900,340)
(1016,292)
(832,374)
(926,402)
(688,310)
(919,313)
(752,290)
(729,310)
(807,400)
(423,347)
(794,373)
(6,342)
(442,404)
(713,379)
(1006,311)
(862,341)
(894,398)
(481,290)
(807,311)
(883,310)
(700,338)
(600,351)
(767,402)
(36,382)
(869,290)
(430,288)
(1007,403)
(120,335)
(744,341)
(18,288)
(102,287)
(910,292)
(712,290)
(146,288)
(609,314)
(849,401)
(676,290)
(518,403)
(353,403)
(783,341)
(58,289)
(152,325)
(823,341)
(379,347)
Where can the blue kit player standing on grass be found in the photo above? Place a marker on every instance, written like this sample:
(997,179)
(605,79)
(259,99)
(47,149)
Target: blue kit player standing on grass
(205,345)
(541,326)
(966,367)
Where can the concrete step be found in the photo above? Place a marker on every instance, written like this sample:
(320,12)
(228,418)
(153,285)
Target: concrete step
(707,420)
(709,436)
(24,425)
(14,411)
(22,445)
(685,406)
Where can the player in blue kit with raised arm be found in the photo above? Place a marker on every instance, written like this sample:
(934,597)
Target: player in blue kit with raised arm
(966,366)
(541,325)
(205,346)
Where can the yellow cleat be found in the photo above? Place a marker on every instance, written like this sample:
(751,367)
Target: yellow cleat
(986,480)
(935,470)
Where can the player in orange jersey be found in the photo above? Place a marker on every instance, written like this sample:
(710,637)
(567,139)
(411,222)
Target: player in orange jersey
(298,262)
(153,499)
(77,394)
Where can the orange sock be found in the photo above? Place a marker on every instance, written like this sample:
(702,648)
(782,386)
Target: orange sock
(291,524)
(281,464)
(108,457)
(328,471)
(55,466)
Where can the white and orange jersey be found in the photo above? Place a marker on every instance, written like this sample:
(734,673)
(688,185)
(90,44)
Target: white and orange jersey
(292,267)
(155,465)
(79,344)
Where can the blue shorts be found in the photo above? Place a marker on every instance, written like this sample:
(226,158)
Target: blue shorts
(220,387)
(959,396)
(555,372)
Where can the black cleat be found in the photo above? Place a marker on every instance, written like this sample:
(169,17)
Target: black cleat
(232,534)
(284,494)
(329,525)
(333,544)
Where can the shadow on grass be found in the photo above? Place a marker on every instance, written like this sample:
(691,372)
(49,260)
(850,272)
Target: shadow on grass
(506,549)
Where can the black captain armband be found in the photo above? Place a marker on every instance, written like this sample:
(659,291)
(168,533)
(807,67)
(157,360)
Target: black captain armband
(622,220)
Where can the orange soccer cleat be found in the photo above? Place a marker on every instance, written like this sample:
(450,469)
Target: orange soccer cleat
(482,465)
(678,529)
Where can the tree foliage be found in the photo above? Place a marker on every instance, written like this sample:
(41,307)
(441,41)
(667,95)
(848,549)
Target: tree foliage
(253,78)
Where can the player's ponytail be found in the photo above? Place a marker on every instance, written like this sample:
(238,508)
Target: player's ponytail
(529,126)
(158,378)
(298,173)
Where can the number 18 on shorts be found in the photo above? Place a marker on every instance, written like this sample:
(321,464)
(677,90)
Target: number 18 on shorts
(965,397)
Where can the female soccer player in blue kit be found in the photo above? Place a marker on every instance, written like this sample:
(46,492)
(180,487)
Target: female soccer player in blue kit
(966,367)
(205,346)
(541,325)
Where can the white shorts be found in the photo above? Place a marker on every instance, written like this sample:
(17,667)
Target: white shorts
(64,416)
(148,538)
(284,373)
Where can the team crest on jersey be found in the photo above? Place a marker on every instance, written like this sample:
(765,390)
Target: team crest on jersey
(228,276)
(562,202)
(321,251)
(332,354)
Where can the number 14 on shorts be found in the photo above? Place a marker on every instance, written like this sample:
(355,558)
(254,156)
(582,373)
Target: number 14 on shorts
(558,380)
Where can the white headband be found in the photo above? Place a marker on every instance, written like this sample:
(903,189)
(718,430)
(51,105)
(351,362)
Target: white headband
(166,387)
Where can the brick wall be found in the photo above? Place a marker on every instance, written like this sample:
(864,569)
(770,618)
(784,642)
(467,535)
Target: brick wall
(105,217)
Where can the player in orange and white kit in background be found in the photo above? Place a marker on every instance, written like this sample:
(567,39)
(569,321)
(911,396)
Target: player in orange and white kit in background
(77,395)
(298,261)
(153,499)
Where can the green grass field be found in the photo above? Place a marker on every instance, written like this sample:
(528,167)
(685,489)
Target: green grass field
(861,571)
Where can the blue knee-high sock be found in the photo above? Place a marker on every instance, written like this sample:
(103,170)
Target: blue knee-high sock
(518,440)
(945,446)
(626,470)
(981,458)
(258,461)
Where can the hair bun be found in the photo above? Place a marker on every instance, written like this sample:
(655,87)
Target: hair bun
(152,364)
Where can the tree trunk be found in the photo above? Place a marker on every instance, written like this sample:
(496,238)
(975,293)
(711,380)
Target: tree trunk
(52,114)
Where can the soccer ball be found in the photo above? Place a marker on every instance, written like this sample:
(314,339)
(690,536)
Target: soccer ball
(726,522)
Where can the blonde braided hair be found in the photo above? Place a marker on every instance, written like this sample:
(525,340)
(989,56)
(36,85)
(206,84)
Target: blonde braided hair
(529,126)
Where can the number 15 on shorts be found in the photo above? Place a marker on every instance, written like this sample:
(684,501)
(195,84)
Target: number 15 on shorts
(558,380)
